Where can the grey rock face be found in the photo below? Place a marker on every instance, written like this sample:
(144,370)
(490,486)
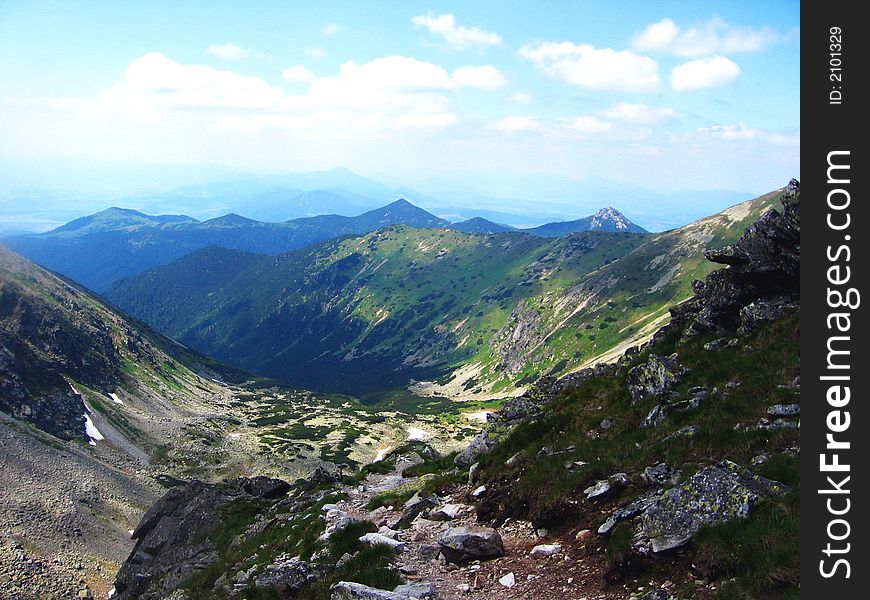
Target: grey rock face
(288,575)
(654,378)
(713,495)
(349,590)
(172,537)
(463,544)
(763,279)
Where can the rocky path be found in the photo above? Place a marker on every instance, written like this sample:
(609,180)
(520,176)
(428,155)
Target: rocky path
(535,565)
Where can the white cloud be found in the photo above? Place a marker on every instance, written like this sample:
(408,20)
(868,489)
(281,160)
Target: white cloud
(590,124)
(485,77)
(594,68)
(228,51)
(638,113)
(298,73)
(713,37)
(737,132)
(705,72)
(386,94)
(515,123)
(153,81)
(456,36)
(315,52)
(520,98)
(332,28)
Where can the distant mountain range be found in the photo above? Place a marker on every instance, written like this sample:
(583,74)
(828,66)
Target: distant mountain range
(115,243)
(472,314)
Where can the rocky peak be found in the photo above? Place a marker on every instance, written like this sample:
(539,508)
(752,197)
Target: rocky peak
(612,216)
(762,278)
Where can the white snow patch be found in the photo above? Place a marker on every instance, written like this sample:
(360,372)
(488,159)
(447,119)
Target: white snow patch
(130,531)
(415,434)
(74,390)
(234,435)
(115,398)
(481,415)
(382,453)
(111,593)
(91,431)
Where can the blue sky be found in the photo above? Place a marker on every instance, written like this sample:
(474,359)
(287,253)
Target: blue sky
(668,95)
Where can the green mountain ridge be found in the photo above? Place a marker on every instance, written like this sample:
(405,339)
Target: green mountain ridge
(464,315)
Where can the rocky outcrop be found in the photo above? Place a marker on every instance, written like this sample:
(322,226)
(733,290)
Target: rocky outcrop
(464,544)
(654,378)
(349,590)
(172,539)
(287,575)
(667,519)
(762,280)
(512,412)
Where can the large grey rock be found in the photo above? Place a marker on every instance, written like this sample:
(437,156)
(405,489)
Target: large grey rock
(784,410)
(376,539)
(287,575)
(654,378)
(349,590)
(713,495)
(462,544)
(660,474)
(417,504)
(423,591)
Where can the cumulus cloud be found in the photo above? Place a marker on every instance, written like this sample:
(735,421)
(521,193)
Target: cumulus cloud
(520,98)
(594,68)
(713,37)
(714,71)
(638,113)
(298,73)
(154,80)
(590,124)
(485,77)
(737,132)
(228,51)
(456,36)
(515,123)
(386,94)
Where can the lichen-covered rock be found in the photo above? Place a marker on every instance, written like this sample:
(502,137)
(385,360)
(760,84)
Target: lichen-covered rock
(660,474)
(287,575)
(654,378)
(463,544)
(349,590)
(713,495)
(784,410)
(660,412)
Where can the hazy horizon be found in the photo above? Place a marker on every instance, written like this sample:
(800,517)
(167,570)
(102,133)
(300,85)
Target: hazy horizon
(527,103)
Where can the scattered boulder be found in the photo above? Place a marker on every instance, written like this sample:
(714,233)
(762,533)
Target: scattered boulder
(508,580)
(446,512)
(604,486)
(463,544)
(423,591)
(376,539)
(784,410)
(713,495)
(654,378)
(661,412)
(546,550)
(349,590)
(287,575)
(660,474)
(416,505)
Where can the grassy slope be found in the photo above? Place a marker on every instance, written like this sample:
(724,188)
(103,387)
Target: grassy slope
(747,378)
(401,302)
